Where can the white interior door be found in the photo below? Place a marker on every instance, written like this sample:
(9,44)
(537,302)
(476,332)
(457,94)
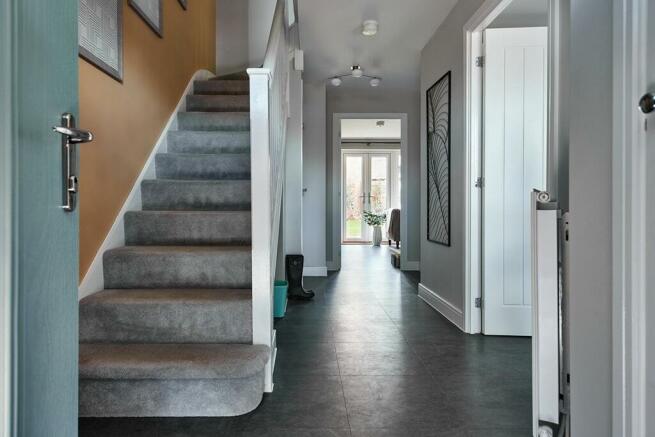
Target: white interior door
(366,187)
(514,163)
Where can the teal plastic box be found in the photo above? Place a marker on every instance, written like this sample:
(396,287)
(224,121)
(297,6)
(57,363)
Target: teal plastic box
(280,298)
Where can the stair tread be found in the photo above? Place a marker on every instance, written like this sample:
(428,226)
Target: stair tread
(179,249)
(116,361)
(137,296)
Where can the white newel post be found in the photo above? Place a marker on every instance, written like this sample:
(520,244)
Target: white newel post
(260,161)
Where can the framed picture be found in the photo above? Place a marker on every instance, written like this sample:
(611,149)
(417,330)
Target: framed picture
(100,35)
(438,160)
(183,3)
(152,12)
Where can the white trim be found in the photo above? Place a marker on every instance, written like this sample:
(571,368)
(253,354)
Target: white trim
(629,235)
(93,280)
(335,208)
(445,308)
(6,221)
(473,95)
(315,271)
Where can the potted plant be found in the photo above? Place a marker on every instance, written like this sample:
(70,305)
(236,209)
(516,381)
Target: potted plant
(375,220)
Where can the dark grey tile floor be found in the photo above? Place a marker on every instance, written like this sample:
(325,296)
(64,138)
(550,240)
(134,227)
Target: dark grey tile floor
(367,357)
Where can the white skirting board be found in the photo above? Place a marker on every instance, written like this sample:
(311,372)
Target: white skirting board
(315,271)
(93,280)
(440,304)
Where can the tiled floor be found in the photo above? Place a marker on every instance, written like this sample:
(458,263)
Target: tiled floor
(368,358)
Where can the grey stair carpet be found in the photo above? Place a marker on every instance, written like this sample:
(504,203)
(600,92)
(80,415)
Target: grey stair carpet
(171,334)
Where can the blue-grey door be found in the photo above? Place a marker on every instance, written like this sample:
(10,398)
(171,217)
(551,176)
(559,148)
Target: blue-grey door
(45,260)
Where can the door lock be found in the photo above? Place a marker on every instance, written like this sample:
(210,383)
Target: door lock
(70,136)
(647,103)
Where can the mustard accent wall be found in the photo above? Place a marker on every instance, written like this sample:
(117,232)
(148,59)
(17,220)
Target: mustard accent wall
(127,118)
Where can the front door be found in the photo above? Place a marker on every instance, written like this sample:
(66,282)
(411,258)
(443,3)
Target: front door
(366,187)
(44,82)
(515,108)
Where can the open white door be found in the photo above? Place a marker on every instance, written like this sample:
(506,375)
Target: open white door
(514,163)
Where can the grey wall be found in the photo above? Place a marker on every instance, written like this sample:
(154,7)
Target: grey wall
(232,38)
(562,154)
(313,208)
(442,268)
(590,204)
(523,13)
(376,100)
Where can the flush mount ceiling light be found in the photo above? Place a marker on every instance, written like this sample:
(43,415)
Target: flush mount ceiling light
(369,28)
(379,123)
(357,72)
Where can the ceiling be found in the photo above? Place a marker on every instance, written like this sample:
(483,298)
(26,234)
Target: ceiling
(358,128)
(330,33)
(523,13)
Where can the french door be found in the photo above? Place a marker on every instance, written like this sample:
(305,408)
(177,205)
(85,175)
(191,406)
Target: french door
(366,186)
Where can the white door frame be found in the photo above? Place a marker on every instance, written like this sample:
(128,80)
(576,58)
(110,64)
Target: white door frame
(628,220)
(473,139)
(6,220)
(336,183)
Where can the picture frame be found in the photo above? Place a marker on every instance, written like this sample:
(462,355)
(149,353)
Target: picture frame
(438,130)
(152,12)
(100,35)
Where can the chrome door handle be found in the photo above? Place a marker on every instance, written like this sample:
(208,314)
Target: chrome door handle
(647,103)
(69,137)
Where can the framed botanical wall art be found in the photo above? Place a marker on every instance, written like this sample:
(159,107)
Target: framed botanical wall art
(100,35)
(438,99)
(183,3)
(152,12)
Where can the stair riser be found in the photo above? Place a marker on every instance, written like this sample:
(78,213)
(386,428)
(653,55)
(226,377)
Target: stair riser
(208,142)
(210,269)
(171,322)
(187,196)
(214,121)
(202,167)
(170,398)
(143,228)
(225,87)
(218,103)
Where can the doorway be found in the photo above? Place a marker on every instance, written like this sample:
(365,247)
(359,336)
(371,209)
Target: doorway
(368,185)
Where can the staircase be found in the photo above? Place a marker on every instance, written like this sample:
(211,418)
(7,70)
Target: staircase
(172,333)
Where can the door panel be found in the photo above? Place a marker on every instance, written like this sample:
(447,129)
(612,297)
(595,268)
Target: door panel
(515,111)
(380,182)
(45,86)
(355,193)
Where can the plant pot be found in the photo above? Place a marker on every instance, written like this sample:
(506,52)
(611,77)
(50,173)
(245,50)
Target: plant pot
(377,235)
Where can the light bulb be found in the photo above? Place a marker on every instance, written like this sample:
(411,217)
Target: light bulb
(357,71)
(375,81)
(335,81)
(369,27)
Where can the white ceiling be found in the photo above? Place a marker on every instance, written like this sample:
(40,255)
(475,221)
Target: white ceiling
(330,33)
(523,13)
(357,129)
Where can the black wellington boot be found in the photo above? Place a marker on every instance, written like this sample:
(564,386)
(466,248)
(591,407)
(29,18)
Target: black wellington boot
(294,264)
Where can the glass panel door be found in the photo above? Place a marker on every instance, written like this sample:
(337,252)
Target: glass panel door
(354,197)
(366,187)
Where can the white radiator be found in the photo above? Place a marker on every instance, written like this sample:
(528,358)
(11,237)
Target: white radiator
(546,316)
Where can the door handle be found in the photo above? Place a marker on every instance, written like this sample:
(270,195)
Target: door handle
(70,136)
(647,103)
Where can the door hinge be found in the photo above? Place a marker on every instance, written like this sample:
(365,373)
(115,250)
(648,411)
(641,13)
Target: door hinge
(478,302)
(479,61)
(479,182)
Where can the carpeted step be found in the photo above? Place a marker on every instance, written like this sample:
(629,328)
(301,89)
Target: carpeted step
(218,103)
(214,121)
(172,195)
(194,166)
(209,142)
(241,75)
(178,267)
(159,380)
(167,316)
(226,87)
(183,228)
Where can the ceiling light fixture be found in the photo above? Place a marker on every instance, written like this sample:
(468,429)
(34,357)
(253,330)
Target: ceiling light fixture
(357,72)
(369,28)
(379,123)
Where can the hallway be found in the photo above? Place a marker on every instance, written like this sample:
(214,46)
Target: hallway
(368,358)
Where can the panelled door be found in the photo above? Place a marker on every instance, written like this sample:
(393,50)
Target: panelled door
(44,57)
(366,186)
(514,162)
